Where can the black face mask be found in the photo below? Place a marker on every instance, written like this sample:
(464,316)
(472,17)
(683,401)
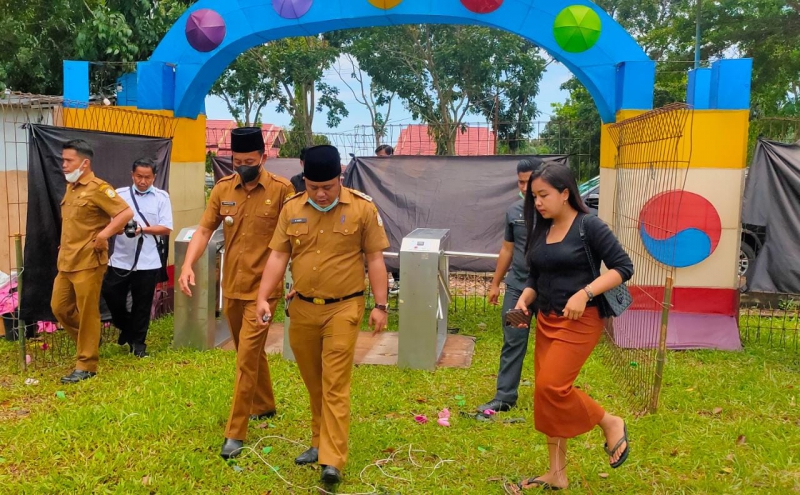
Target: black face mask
(248,173)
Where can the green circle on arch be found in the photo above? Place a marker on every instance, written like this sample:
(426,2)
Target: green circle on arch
(577,28)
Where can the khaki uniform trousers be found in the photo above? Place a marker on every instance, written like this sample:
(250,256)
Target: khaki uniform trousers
(76,305)
(252,392)
(323,339)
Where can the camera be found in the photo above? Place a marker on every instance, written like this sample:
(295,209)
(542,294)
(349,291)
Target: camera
(130,229)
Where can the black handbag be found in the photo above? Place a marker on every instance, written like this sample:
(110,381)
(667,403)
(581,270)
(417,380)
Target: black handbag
(614,301)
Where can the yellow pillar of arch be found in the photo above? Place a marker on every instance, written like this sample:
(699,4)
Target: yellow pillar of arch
(715,144)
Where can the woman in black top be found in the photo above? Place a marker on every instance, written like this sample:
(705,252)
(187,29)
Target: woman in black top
(569,320)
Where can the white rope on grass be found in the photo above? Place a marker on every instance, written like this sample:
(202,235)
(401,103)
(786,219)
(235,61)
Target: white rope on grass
(378,464)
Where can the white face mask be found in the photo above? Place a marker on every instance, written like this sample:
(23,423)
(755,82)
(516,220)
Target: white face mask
(73,176)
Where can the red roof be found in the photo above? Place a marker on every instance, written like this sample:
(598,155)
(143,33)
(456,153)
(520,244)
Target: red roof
(218,137)
(474,141)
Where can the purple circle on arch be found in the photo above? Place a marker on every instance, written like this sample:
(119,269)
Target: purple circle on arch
(292,9)
(205,30)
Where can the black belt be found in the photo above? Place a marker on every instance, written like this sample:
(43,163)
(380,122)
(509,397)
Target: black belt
(321,302)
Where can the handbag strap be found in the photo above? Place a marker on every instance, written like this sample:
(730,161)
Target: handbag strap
(582,231)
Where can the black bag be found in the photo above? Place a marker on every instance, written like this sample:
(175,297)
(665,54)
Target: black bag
(615,301)
(162,245)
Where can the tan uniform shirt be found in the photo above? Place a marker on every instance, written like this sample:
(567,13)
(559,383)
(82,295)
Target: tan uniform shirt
(87,208)
(328,248)
(254,216)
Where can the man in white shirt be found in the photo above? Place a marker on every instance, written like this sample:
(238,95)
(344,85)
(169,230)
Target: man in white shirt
(136,265)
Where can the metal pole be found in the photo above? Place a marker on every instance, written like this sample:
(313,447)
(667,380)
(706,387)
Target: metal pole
(662,346)
(697,35)
(21,327)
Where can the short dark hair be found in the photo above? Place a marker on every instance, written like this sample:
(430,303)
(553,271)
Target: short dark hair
(385,147)
(147,163)
(81,147)
(303,153)
(529,164)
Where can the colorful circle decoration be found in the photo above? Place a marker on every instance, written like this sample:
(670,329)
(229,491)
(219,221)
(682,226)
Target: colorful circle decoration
(679,228)
(205,30)
(577,28)
(482,6)
(291,9)
(385,4)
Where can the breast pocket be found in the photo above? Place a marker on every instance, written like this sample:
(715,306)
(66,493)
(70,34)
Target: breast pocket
(266,219)
(229,211)
(345,236)
(519,229)
(151,215)
(81,210)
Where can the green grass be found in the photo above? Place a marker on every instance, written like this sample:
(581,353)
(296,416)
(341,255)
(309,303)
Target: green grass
(156,425)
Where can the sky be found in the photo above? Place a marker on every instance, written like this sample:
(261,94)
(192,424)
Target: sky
(349,139)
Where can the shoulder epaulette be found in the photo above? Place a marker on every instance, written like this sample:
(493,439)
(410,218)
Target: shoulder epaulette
(293,196)
(226,178)
(282,180)
(361,195)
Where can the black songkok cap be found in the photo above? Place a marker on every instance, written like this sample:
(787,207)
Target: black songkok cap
(246,140)
(322,163)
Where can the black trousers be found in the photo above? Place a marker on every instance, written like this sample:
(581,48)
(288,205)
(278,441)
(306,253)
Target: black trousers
(141,284)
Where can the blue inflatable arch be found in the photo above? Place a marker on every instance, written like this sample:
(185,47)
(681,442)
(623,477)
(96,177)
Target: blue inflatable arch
(212,33)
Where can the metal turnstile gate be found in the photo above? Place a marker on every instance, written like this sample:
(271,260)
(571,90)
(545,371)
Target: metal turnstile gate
(424,298)
(196,323)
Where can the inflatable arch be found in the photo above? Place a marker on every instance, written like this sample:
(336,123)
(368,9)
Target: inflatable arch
(212,33)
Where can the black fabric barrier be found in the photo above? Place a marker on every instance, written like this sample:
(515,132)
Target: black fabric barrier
(468,195)
(114,155)
(772,200)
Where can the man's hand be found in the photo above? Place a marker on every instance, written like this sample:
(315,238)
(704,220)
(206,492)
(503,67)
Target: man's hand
(494,295)
(100,243)
(263,314)
(377,321)
(291,295)
(186,279)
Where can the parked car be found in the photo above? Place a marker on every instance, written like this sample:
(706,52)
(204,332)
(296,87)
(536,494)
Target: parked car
(590,193)
(752,235)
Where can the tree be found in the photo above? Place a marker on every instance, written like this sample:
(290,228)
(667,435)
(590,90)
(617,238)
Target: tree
(441,73)
(296,140)
(245,89)
(296,66)
(370,95)
(37,35)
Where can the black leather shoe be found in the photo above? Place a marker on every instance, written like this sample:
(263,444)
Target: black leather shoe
(330,475)
(77,376)
(231,448)
(266,415)
(497,406)
(310,456)
(140,351)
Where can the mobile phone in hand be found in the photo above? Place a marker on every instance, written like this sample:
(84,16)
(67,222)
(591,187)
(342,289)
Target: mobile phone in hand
(516,318)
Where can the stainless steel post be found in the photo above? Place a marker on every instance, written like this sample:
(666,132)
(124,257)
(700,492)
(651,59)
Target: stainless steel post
(196,324)
(424,298)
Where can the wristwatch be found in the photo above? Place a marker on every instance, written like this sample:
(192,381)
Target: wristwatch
(382,307)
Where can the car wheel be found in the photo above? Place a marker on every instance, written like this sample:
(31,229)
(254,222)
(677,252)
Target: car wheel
(747,256)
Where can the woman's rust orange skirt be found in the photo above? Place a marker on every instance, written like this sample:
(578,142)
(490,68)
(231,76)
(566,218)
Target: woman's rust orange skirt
(562,346)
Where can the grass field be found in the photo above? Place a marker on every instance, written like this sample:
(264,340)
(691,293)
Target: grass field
(728,423)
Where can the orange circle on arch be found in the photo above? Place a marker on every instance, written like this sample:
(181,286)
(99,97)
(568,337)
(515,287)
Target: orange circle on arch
(385,4)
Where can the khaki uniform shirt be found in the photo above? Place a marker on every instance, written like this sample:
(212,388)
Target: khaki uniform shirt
(327,248)
(254,215)
(87,208)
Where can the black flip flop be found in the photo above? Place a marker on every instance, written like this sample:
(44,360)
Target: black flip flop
(542,485)
(624,456)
